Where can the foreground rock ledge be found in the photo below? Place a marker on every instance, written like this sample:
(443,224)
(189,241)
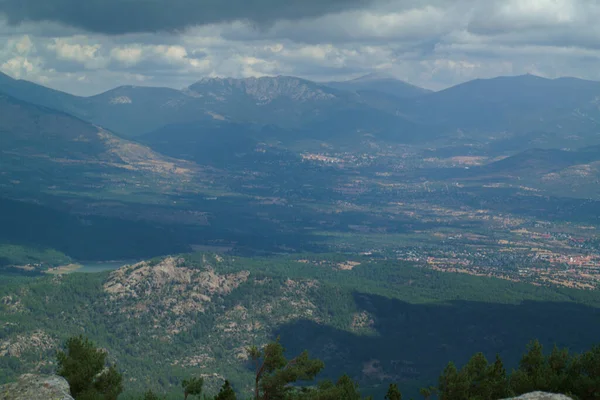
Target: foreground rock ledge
(541,396)
(36,387)
(52,387)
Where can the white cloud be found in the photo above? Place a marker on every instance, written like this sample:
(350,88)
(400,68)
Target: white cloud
(174,54)
(24,45)
(528,14)
(69,49)
(128,56)
(21,67)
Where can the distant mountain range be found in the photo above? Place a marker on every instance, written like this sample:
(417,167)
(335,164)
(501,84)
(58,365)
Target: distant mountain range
(516,104)
(131,111)
(215,120)
(374,104)
(221,122)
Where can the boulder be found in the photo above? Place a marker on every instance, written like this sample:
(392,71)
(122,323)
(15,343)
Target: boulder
(541,396)
(36,387)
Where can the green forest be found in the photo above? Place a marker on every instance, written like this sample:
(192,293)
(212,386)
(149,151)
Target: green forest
(279,378)
(381,322)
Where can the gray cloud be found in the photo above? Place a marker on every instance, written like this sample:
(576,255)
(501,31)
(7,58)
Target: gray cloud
(432,43)
(134,16)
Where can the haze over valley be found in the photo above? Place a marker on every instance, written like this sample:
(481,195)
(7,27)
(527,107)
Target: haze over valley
(470,178)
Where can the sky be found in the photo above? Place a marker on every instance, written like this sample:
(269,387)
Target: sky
(86,47)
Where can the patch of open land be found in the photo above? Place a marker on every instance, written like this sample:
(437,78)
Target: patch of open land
(64,269)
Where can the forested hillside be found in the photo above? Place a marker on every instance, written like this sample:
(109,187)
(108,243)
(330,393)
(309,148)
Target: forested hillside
(377,321)
(89,376)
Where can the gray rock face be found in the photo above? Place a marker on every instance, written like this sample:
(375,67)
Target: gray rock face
(36,387)
(541,396)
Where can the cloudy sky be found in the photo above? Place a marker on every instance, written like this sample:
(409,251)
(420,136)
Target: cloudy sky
(85,47)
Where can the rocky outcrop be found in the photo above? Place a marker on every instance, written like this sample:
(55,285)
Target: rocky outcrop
(169,292)
(30,387)
(264,90)
(21,344)
(541,396)
(142,280)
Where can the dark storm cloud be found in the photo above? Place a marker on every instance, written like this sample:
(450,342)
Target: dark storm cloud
(134,16)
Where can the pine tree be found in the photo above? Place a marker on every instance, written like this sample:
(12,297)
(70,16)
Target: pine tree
(532,373)
(393,393)
(192,387)
(274,373)
(497,381)
(453,385)
(475,373)
(150,395)
(109,383)
(226,392)
(83,366)
(346,388)
(584,375)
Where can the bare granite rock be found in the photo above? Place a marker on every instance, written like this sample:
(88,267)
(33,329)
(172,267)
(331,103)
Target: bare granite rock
(36,387)
(541,396)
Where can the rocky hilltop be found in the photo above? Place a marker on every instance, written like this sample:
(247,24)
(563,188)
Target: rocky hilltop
(174,292)
(169,290)
(541,396)
(31,387)
(264,90)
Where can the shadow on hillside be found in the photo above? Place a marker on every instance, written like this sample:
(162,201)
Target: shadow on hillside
(412,343)
(86,237)
(95,237)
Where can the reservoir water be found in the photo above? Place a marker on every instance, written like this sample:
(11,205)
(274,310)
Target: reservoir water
(101,266)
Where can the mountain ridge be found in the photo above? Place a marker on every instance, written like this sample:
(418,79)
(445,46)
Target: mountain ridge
(480,108)
(382,83)
(54,140)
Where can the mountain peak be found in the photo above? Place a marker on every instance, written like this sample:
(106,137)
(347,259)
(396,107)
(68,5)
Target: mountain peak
(376,75)
(250,79)
(532,77)
(528,77)
(382,82)
(264,89)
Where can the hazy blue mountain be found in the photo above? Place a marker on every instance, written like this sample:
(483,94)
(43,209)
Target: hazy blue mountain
(372,104)
(516,103)
(381,83)
(287,102)
(29,129)
(133,110)
(48,150)
(126,110)
(282,100)
(294,108)
(41,95)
